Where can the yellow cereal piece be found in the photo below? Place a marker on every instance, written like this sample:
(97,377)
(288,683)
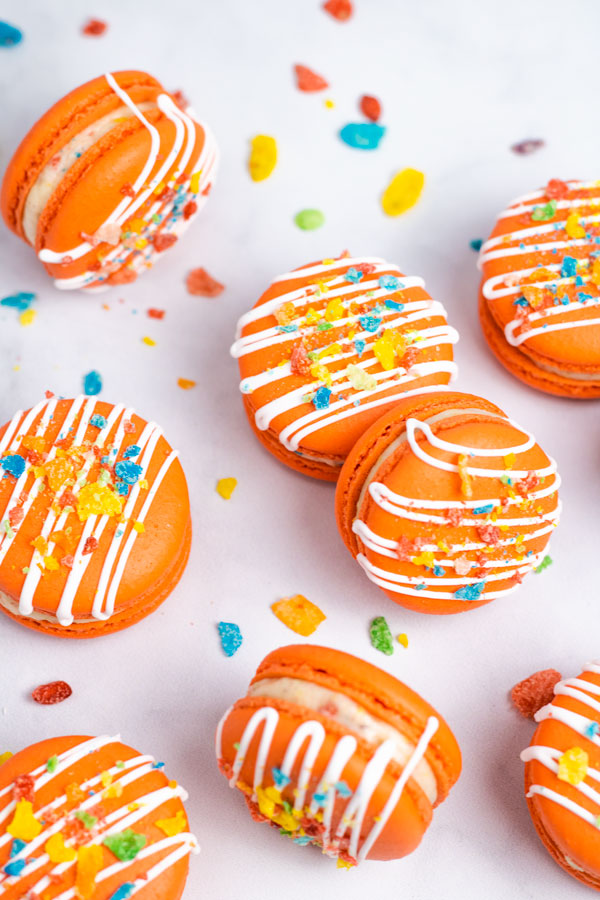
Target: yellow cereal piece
(298,614)
(159,188)
(573,228)
(186,384)
(313,316)
(139,527)
(27,317)
(51,563)
(383,348)
(595,276)
(344,864)
(57,851)
(328,104)
(174,825)
(334,310)
(286,821)
(263,157)
(285,313)
(321,373)
(265,804)
(141,243)
(573,765)
(534,296)
(466,488)
(89,863)
(98,500)
(149,342)
(509,460)
(132,807)
(226,487)
(330,350)
(41,545)
(402,192)
(4,757)
(195,182)
(24,825)
(402,639)
(424,559)
(360,379)
(143,484)
(112,791)
(136,226)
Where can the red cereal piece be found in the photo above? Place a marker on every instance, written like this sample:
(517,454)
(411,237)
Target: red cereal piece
(189,209)
(94,27)
(67,498)
(15,516)
(127,190)
(406,548)
(556,189)
(308,81)
(300,362)
(164,241)
(48,395)
(370,107)
(53,692)
(454,516)
(156,313)
(180,99)
(128,427)
(90,545)
(24,788)
(534,692)
(488,533)
(339,9)
(201,284)
(122,276)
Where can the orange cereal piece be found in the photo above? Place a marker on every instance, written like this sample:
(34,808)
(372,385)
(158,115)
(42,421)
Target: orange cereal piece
(299,614)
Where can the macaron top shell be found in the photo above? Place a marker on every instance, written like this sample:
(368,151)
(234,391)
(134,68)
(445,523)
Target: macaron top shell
(446,503)
(562,771)
(91,816)
(94,508)
(108,179)
(328,347)
(541,277)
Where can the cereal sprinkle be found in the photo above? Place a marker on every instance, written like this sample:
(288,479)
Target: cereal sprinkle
(299,614)
(9,35)
(186,384)
(309,219)
(402,192)
(381,636)
(92,383)
(370,107)
(263,157)
(309,81)
(341,10)
(226,487)
(53,692)
(535,691)
(200,284)
(231,637)
(362,135)
(94,28)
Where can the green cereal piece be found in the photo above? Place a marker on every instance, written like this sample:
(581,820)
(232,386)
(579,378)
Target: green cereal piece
(309,219)
(381,636)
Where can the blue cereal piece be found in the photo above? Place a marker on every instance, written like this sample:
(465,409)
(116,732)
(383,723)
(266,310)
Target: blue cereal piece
(476,244)
(569,267)
(123,892)
(98,421)
(369,323)
(20,301)
(353,275)
(132,450)
(470,591)
(279,778)
(389,282)
(393,304)
(362,135)
(359,346)
(343,789)
(13,464)
(9,35)
(16,847)
(231,637)
(321,397)
(16,867)
(92,383)
(128,471)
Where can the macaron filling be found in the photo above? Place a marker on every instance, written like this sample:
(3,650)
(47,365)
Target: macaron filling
(349,714)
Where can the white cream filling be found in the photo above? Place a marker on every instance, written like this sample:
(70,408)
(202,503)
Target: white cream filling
(593,377)
(349,714)
(54,171)
(12,606)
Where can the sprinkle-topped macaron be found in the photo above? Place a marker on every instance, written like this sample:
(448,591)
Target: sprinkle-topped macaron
(540,290)
(447,503)
(328,348)
(92,819)
(108,179)
(562,775)
(337,754)
(95,524)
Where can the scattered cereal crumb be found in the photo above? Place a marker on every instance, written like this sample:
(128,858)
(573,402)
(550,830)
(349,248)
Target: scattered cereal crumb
(299,614)
(231,637)
(535,691)
(309,219)
(53,692)
(94,28)
(9,35)
(163,241)
(573,766)
(381,636)
(155,313)
(370,107)
(149,342)
(201,284)
(226,487)
(186,384)
(263,157)
(309,81)
(476,244)
(402,639)
(27,317)
(339,9)
(528,146)
(20,301)
(92,383)
(362,135)
(4,757)
(329,104)
(402,192)
(547,561)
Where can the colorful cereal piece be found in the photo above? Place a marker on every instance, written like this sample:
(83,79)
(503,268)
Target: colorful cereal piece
(299,614)
(126,844)
(362,135)
(381,636)
(92,383)
(185,384)
(535,691)
(573,765)
(309,81)
(403,639)
(200,284)
(547,561)
(226,487)
(263,157)
(123,892)
(309,219)
(57,851)
(174,825)
(339,9)
(9,35)
(21,301)
(89,863)
(370,107)
(24,825)
(231,637)
(94,28)
(402,192)
(53,692)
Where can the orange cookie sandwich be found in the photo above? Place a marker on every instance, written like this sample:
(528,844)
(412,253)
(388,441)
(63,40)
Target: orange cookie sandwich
(92,819)
(562,775)
(95,526)
(108,179)
(447,503)
(328,348)
(336,753)
(540,292)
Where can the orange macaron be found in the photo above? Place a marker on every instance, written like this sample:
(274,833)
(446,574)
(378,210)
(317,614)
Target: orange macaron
(562,775)
(108,179)
(93,819)
(95,517)
(328,348)
(447,503)
(540,291)
(336,753)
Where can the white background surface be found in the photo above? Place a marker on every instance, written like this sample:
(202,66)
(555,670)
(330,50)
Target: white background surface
(459,82)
